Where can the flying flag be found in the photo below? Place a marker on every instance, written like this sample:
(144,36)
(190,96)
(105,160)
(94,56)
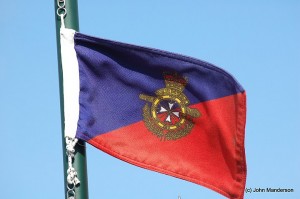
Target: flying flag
(158,110)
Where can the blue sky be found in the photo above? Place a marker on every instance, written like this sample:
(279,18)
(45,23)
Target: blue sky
(256,41)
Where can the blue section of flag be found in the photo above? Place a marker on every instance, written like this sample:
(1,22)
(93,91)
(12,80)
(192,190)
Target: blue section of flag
(113,75)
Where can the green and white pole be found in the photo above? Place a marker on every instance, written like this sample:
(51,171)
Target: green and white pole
(69,8)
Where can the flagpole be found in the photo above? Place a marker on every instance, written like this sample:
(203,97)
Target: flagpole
(71,21)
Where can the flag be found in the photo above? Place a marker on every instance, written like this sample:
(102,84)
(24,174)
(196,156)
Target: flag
(158,110)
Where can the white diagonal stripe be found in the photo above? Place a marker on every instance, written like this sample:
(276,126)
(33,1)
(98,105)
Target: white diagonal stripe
(168,118)
(162,109)
(176,114)
(171,105)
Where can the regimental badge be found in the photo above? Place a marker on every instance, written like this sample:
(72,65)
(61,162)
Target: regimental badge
(169,116)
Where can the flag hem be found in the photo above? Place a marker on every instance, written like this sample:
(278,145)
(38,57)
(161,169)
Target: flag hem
(240,147)
(71,89)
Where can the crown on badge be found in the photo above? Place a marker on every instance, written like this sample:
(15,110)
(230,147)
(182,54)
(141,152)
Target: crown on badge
(173,80)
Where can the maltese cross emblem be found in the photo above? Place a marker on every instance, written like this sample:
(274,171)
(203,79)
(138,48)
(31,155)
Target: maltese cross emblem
(169,116)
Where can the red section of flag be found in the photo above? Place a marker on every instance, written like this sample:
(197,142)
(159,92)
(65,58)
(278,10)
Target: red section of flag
(212,154)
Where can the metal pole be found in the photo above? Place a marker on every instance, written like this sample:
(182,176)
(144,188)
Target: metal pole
(71,21)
